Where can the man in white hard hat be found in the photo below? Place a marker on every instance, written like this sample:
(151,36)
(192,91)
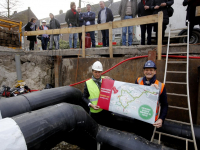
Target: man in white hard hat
(92,91)
(44,37)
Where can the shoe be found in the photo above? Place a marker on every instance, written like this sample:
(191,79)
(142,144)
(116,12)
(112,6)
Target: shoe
(50,48)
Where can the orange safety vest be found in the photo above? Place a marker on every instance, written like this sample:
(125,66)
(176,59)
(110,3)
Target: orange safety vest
(161,88)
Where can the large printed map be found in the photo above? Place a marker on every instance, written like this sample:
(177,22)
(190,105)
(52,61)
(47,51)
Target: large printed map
(136,101)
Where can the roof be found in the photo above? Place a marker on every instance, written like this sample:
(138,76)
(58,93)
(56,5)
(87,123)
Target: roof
(115,8)
(24,16)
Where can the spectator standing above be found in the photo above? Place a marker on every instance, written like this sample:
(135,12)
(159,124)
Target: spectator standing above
(162,5)
(191,13)
(144,9)
(54,24)
(72,19)
(89,18)
(44,37)
(31,26)
(127,10)
(81,23)
(105,15)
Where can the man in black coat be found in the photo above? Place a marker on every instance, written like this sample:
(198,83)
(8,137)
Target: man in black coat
(162,5)
(105,15)
(31,26)
(191,13)
(144,9)
(81,23)
(89,18)
(54,24)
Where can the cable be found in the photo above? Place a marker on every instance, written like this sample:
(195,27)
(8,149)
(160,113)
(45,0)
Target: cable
(112,68)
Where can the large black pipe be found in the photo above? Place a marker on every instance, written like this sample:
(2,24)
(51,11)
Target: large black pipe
(44,128)
(118,140)
(32,101)
(180,130)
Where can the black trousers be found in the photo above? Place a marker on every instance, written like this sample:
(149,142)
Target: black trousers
(80,40)
(31,45)
(144,28)
(163,31)
(105,37)
(92,35)
(103,118)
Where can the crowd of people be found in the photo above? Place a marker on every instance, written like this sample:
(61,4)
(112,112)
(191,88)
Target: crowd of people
(128,9)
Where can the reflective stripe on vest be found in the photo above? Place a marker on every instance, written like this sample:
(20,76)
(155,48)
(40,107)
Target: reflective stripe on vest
(94,94)
(161,88)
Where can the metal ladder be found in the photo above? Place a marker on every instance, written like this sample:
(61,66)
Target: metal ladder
(175,94)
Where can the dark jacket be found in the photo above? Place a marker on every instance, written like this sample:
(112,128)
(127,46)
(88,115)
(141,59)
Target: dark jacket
(142,11)
(191,11)
(54,24)
(41,28)
(28,28)
(162,98)
(109,16)
(123,6)
(81,20)
(70,18)
(90,18)
(164,9)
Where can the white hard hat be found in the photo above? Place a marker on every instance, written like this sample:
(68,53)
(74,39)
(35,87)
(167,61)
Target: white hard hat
(97,66)
(43,21)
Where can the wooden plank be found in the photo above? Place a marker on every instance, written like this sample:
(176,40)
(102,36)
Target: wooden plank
(198,11)
(97,27)
(110,40)
(57,67)
(54,31)
(160,24)
(136,21)
(83,41)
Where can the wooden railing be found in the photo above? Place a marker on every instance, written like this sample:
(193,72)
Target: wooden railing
(157,18)
(198,11)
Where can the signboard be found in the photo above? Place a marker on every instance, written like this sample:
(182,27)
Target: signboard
(132,100)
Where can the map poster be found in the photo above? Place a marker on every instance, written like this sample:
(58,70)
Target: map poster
(132,100)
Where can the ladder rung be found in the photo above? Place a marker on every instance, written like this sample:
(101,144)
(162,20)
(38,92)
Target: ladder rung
(178,36)
(174,136)
(175,82)
(174,94)
(176,72)
(178,29)
(179,44)
(177,62)
(175,107)
(181,122)
(177,52)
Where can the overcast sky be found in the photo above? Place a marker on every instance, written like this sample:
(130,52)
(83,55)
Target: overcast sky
(42,8)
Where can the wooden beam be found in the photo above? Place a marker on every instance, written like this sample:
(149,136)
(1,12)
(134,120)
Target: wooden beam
(54,31)
(110,40)
(83,41)
(198,11)
(160,26)
(136,21)
(57,68)
(97,27)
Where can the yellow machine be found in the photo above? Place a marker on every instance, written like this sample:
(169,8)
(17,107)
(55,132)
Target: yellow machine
(11,24)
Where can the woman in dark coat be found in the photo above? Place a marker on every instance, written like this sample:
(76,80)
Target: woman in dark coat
(31,26)
(191,12)
(162,5)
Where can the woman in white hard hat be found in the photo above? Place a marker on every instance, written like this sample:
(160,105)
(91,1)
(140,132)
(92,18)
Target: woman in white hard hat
(92,91)
(44,37)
